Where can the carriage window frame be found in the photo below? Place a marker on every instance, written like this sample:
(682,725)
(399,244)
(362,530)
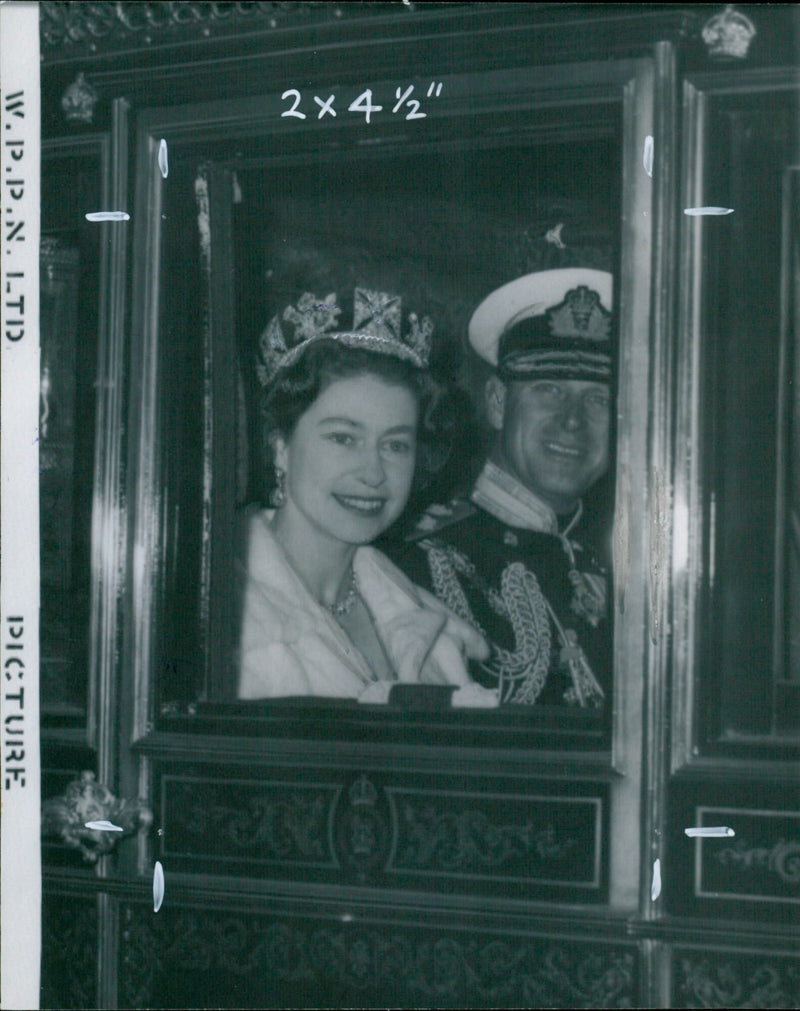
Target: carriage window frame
(98,293)
(603,97)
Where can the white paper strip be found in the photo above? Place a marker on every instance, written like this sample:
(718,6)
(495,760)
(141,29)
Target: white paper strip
(696,212)
(103,826)
(20,861)
(108,216)
(163,162)
(647,156)
(655,888)
(158,886)
(710,832)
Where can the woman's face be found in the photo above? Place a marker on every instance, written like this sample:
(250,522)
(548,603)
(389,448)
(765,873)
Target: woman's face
(350,460)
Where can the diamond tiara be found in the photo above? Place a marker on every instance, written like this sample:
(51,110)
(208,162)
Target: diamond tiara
(377,326)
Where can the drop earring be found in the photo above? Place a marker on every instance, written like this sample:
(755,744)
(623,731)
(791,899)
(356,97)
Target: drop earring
(277,497)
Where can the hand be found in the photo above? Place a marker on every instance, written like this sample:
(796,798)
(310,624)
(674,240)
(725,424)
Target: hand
(474,696)
(472,642)
(377,693)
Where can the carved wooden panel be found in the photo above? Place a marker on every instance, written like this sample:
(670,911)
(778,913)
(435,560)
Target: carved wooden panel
(452,834)
(247,825)
(761,862)
(733,979)
(69,951)
(239,960)
(480,837)
(80,27)
(755,872)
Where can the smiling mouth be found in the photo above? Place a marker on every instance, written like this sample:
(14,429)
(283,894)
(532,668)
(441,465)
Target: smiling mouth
(567,452)
(360,505)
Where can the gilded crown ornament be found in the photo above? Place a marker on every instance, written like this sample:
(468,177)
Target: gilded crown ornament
(363,793)
(728,35)
(377,326)
(79,101)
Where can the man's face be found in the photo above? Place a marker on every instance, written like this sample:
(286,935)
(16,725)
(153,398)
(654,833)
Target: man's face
(553,435)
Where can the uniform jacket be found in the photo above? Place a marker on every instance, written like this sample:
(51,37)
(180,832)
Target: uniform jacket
(541,602)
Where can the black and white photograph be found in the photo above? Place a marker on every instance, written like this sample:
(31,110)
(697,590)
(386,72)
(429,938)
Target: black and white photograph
(401,413)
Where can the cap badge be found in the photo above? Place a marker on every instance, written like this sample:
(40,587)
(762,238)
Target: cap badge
(580,315)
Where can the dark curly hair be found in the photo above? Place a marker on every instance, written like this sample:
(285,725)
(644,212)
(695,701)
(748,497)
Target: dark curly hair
(294,390)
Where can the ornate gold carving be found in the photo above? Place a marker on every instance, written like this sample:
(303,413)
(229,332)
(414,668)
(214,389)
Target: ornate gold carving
(782,859)
(365,964)
(85,801)
(363,830)
(728,35)
(86,24)
(69,952)
(470,841)
(79,100)
(285,824)
(703,982)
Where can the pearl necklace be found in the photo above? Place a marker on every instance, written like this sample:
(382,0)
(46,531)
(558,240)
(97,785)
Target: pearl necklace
(345,605)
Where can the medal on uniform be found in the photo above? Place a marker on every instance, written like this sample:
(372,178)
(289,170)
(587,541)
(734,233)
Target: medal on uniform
(589,596)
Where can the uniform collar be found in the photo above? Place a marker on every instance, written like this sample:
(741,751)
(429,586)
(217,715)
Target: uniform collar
(512,503)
